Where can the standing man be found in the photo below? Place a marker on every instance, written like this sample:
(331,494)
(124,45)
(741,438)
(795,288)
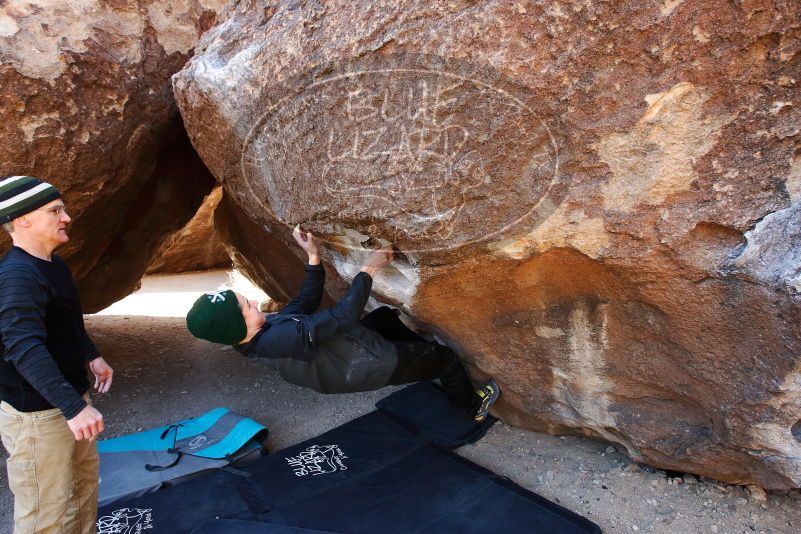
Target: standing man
(47,422)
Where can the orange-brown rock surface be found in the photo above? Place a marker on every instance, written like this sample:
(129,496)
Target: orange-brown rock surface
(86,103)
(597,202)
(196,246)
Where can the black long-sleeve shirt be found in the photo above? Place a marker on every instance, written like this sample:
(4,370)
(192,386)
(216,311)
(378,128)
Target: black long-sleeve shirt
(42,336)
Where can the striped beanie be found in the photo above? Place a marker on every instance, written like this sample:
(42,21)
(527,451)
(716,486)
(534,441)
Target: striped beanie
(23,194)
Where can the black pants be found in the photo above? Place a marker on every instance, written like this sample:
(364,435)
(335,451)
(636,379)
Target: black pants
(420,360)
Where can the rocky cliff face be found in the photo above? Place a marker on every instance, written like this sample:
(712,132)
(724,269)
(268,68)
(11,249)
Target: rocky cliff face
(87,105)
(597,203)
(196,247)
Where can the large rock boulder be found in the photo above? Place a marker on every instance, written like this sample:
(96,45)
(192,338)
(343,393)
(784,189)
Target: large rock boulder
(87,105)
(596,203)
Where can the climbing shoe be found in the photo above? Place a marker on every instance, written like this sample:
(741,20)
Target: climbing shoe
(488,394)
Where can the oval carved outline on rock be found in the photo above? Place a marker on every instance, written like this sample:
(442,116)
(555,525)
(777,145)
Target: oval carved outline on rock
(416,138)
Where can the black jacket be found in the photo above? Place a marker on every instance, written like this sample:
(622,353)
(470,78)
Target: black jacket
(328,350)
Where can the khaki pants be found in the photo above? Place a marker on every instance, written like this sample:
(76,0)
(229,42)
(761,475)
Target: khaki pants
(53,477)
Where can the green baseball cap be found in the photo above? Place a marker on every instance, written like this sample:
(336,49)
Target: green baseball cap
(216,317)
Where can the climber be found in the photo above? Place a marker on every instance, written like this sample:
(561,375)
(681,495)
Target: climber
(334,350)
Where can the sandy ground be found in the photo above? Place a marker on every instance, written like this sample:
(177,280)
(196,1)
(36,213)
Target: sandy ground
(162,375)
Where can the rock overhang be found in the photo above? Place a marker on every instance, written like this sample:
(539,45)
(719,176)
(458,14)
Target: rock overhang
(620,213)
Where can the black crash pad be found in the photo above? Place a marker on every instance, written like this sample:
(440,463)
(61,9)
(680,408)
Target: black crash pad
(378,473)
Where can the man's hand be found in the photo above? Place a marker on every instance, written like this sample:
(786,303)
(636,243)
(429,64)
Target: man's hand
(309,244)
(377,261)
(103,373)
(87,424)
